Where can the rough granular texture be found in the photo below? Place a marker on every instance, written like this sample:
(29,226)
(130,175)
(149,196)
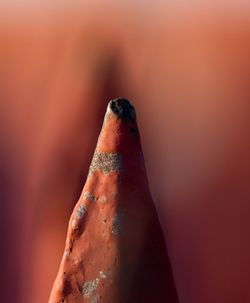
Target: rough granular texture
(115,250)
(88,195)
(122,108)
(89,287)
(81,211)
(106,162)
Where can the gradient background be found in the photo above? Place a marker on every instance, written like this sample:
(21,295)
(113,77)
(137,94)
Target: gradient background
(185,66)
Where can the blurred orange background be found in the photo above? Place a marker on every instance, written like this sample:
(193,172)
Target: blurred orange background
(186,67)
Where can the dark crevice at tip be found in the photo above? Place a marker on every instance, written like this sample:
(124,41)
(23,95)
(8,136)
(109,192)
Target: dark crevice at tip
(122,108)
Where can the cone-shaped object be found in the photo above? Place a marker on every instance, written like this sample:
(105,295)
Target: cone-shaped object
(115,250)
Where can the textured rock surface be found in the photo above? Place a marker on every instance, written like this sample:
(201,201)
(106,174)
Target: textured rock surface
(115,250)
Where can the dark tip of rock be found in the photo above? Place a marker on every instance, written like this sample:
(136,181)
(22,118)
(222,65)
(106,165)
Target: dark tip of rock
(122,108)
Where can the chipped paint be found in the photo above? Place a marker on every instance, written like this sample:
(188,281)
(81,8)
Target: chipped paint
(89,196)
(103,275)
(77,222)
(105,162)
(66,253)
(81,211)
(89,287)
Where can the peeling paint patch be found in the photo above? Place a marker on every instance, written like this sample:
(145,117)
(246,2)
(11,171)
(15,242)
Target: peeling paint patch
(89,287)
(81,211)
(77,222)
(66,254)
(105,162)
(103,274)
(89,196)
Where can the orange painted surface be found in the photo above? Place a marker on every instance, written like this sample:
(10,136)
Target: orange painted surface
(115,249)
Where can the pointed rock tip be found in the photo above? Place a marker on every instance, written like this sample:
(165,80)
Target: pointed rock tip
(122,108)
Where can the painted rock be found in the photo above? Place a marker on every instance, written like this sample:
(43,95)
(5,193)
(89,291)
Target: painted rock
(115,250)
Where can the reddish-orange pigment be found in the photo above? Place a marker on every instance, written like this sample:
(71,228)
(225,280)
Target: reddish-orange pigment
(115,250)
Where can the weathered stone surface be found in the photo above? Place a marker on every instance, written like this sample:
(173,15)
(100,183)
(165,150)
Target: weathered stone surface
(115,250)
